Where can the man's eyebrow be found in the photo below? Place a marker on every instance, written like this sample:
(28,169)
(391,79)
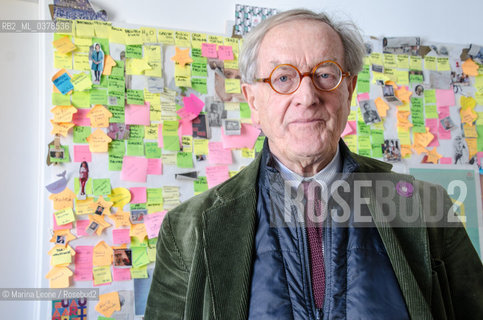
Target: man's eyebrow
(275,63)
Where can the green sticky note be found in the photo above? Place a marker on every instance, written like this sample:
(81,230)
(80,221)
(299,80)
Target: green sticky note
(117,114)
(376,151)
(170,128)
(184,160)
(104,318)
(415,78)
(139,273)
(151,253)
(152,242)
(81,99)
(88,186)
(81,134)
(198,70)
(117,147)
(196,52)
(259,143)
(101,187)
(431,111)
(363,128)
(171,143)
(154,195)
(152,150)
(363,85)
(139,256)
(199,84)
(135,147)
(136,131)
(117,99)
(135,96)
(58,99)
(134,51)
(102,84)
(479,143)
(98,96)
(115,162)
(245,112)
(155,207)
(137,206)
(116,84)
(429,96)
(200,184)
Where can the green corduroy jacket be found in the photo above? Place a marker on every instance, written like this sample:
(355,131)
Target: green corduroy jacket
(205,253)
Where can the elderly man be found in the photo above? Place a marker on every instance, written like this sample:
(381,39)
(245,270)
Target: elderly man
(256,247)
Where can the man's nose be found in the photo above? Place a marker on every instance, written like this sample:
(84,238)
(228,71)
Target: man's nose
(307,93)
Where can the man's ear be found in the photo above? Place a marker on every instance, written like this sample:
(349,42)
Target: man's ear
(248,91)
(351,86)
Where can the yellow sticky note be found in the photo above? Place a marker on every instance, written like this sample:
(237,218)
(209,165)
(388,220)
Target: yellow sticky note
(102,254)
(219,40)
(430,63)
(415,63)
(404,136)
(149,35)
(133,36)
(81,81)
(443,64)
(82,44)
(182,81)
(84,206)
(166,36)
(120,197)
(81,62)
(351,142)
(64,216)
(139,231)
(248,153)
(390,60)
(64,45)
(183,71)
(102,29)
(403,61)
(99,116)
(59,277)
(117,35)
(60,255)
(102,275)
(62,61)
(84,28)
(200,146)
(63,113)
(98,141)
(151,132)
(108,303)
(470,131)
(182,39)
(169,159)
(402,77)
(232,86)
(197,39)
(233,42)
(139,273)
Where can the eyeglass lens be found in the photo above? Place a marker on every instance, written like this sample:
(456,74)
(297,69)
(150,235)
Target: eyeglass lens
(286,79)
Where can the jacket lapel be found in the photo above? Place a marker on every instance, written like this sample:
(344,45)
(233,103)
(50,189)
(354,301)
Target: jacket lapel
(228,236)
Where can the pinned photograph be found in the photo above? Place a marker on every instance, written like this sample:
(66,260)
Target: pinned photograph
(99,210)
(417,89)
(401,45)
(60,240)
(222,73)
(155,84)
(377,68)
(201,128)
(118,131)
(96,60)
(122,257)
(231,127)
(440,80)
(56,154)
(216,111)
(391,150)
(137,216)
(447,123)
(459,78)
(200,157)
(461,153)
(83,177)
(92,228)
(369,111)
(389,96)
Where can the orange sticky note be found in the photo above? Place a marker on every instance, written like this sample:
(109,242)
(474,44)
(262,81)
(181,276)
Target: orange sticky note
(98,141)
(62,237)
(101,223)
(470,68)
(61,128)
(472,146)
(63,113)
(402,119)
(101,206)
(102,254)
(419,148)
(423,138)
(120,218)
(138,230)
(108,64)
(108,303)
(59,277)
(468,116)
(405,150)
(84,206)
(99,116)
(182,56)
(63,199)
(433,156)
(403,94)
(64,45)
(381,106)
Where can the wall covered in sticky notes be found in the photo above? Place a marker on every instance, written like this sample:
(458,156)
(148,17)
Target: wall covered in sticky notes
(146,134)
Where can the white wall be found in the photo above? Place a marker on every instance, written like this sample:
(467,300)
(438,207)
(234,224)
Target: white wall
(21,77)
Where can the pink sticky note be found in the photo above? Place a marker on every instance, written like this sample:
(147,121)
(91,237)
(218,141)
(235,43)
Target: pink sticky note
(121,274)
(81,226)
(138,194)
(80,118)
(216,175)
(445,160)
(120,236)
(209,50)
(350,128)
(155,166)
(134,169)
(363,96)
(443,112)
(445,97)
(225,53)
(247,138)
(218,155)
(192,107)
(83,263)
(433,124)
(137,114)
(82,153)
(479,155)
(152,222)
(160,136)
(62,227)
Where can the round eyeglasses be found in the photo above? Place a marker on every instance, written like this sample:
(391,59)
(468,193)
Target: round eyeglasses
(286,78)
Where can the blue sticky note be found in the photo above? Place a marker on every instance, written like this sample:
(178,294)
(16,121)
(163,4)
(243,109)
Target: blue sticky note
(63,83)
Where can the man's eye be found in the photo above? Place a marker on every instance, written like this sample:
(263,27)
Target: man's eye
(283,78)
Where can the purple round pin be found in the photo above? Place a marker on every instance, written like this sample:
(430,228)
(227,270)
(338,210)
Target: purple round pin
(404,188)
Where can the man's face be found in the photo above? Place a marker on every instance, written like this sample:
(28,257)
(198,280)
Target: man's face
(306,124)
